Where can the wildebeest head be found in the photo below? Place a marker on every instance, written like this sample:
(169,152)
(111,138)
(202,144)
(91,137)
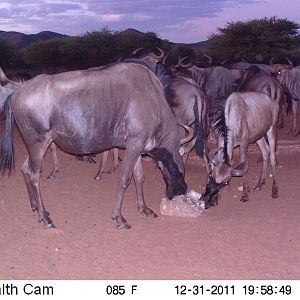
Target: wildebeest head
(220,175)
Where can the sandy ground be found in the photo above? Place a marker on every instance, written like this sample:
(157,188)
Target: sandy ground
(254,240)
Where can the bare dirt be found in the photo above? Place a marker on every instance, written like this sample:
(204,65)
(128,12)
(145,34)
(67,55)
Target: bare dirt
(259,239)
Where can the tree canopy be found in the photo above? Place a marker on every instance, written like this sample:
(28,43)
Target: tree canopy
(255,39)
(7,54)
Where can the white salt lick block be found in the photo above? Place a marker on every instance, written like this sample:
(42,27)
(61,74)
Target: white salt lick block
(188,205)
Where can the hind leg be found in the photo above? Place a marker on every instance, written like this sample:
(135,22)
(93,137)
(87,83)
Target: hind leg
(102,166)
(138,176)
(265,151)
(272,143)
(55,169)
(31,173)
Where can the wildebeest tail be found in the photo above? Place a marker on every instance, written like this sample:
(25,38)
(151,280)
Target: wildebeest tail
(7,147)
(199,145)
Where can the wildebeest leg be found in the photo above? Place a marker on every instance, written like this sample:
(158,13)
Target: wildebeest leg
(265,151)
(131,155)
(271,134)
(115,159)
(243,158)
(31,173)
(294,131)
(55,169)
(102,166)
(138,176)
(29,186)
(280,122)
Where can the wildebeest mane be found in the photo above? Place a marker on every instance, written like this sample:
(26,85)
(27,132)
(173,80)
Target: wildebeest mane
(218,121)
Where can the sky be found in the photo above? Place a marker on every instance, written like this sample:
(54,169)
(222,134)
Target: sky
(185,21)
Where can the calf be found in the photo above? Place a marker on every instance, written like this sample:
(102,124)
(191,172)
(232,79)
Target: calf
(245,118)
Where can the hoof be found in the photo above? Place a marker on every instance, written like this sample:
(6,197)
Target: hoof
(148,213)
(274,193)
(97,177)
(244,198)
(257,188)
(121,222)
(124,226)
(48,226)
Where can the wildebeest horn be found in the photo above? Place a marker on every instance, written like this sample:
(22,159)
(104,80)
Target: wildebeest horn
(165,58)
(241,169)
(290,63)
(190,135)
(212,156)
(3,77)
(134,52)
(158,57)
(209,58)
(184,65)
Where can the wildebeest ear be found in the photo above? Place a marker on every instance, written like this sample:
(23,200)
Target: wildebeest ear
(241,169)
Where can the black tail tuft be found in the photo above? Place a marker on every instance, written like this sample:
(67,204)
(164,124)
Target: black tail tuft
(7,147)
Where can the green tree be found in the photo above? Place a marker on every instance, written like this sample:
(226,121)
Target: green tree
(254,39)
(7,54)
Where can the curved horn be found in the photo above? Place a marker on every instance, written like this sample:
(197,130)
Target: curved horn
(190,135)
(157,57)
(209,58)
(3,77)
(224,62)
(241,169)
(180,64)
(164,60)
(134,52)
(290,63)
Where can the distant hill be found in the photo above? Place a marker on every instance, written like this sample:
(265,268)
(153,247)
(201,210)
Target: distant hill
(21,40)
(203,44)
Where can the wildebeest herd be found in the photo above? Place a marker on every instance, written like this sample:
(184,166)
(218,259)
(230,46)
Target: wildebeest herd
(145,107)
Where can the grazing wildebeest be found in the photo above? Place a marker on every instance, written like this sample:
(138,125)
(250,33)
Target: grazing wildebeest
(187,102)
(290,79)
(122,105)
(245,118)
(189,105)
(257,80)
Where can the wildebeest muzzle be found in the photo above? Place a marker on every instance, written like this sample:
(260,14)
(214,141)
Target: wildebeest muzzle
(212,189)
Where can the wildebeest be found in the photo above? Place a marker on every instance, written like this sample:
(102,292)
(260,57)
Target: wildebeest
(255,79)
(122,105)
(244,65)
(187,102)
(245,118)
(216,82)
(290,79)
